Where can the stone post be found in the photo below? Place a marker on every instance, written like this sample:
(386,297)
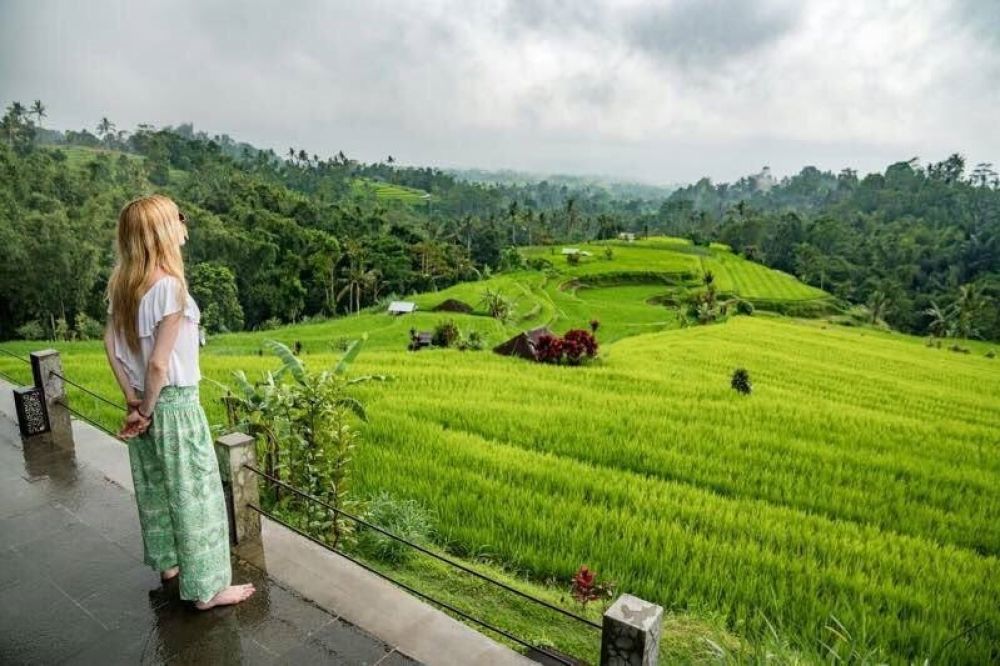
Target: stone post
(43,364)
(631,633)
(240,485)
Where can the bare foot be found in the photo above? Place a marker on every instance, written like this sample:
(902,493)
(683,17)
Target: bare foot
(233,594)
(169,573)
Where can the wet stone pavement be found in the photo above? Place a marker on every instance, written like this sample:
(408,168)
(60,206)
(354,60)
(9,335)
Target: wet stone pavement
(74,590)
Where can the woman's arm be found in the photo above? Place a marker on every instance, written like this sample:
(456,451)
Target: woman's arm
(116,365)
(165,338)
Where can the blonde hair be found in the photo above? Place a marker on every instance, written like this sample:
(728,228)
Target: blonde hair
(149,235)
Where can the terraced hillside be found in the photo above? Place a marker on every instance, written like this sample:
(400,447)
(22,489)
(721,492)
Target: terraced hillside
(857,486)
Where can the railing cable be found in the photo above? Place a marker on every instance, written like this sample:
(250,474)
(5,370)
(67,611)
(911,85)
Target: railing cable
(418,593)
(424,550)
(100,397)
(13,355)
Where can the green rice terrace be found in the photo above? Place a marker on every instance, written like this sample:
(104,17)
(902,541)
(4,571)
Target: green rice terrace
(847,509)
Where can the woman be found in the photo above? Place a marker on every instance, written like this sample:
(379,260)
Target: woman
(152,345)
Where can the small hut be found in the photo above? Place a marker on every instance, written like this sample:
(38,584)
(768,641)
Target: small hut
(453,305)
(401,307)
(420,340)
(523,344)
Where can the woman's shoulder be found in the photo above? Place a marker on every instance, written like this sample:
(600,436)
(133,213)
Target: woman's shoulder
(164,298)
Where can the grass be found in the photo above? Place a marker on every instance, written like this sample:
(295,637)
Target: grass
(859,485)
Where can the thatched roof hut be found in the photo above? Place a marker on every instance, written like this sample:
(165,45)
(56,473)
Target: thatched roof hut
(453,305)
(523,344)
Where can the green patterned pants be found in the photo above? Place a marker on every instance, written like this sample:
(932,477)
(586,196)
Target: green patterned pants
(178,489)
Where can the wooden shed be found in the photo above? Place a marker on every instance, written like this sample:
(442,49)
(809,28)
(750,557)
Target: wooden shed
(523,344)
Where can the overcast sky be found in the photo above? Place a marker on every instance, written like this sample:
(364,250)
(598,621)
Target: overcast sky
(662,92)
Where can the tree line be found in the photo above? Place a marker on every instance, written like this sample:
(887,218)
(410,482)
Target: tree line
(281,238)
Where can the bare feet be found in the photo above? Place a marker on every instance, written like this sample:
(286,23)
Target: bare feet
(233,594)
(169,573)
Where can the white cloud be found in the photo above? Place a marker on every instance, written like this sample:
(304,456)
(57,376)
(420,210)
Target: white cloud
(651,90)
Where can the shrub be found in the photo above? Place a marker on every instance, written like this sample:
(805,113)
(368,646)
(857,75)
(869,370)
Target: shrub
(498,305)
(446,333)
(32,330)
(573,258)
(578,344)
(609,253)
(270,324)
(539,264)
(584,587)
(744,307)
(572,348)
(741,381)
(991,354)
(474,341)
(548,349)
(511,260)
(404,518)
(88,328)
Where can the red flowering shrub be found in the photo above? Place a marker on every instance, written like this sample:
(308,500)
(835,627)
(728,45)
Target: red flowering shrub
(577,344)
(585,588)
(572,347)
(549,349)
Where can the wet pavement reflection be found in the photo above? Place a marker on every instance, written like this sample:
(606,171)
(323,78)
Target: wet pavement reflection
(74,590)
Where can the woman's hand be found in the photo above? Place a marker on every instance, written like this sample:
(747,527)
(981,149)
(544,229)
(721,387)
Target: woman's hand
(135,424)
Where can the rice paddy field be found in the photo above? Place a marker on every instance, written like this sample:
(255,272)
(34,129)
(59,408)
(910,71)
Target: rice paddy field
(389,191)
(856,491)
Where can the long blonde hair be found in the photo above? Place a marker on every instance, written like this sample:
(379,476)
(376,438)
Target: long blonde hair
(149,235)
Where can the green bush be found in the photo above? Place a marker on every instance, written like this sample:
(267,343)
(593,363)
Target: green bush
(404,518)
(32,330)
(88,328)
(474,341)
(744,308)
(446,333)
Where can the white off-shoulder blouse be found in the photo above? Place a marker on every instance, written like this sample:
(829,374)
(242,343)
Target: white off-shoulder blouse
(162,299)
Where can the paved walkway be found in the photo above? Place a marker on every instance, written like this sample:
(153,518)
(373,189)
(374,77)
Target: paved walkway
(74,590)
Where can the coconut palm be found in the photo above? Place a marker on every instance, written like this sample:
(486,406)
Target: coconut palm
(941,320)
(38,110)
(106,128)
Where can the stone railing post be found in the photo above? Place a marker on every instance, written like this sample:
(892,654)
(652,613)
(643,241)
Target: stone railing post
(240,485)
(631,633)
(43,364)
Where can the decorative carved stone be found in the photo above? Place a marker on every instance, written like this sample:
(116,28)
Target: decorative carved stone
(631,633)
(32,417)
(233,451)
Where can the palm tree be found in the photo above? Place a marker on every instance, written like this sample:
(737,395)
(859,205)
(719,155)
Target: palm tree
(9,128)
(571,216)
(38,110)
(512,213)
(878,304)
(967,308)
(940,325)
(105,127)
(18,111)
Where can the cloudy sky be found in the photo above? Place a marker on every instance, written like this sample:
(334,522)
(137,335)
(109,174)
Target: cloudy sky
(660,91)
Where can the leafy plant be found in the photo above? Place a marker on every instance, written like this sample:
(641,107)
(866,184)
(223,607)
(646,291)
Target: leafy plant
(585,588)
(404,518)
(741,381)
(306,435)
(497,305)
(446,333)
